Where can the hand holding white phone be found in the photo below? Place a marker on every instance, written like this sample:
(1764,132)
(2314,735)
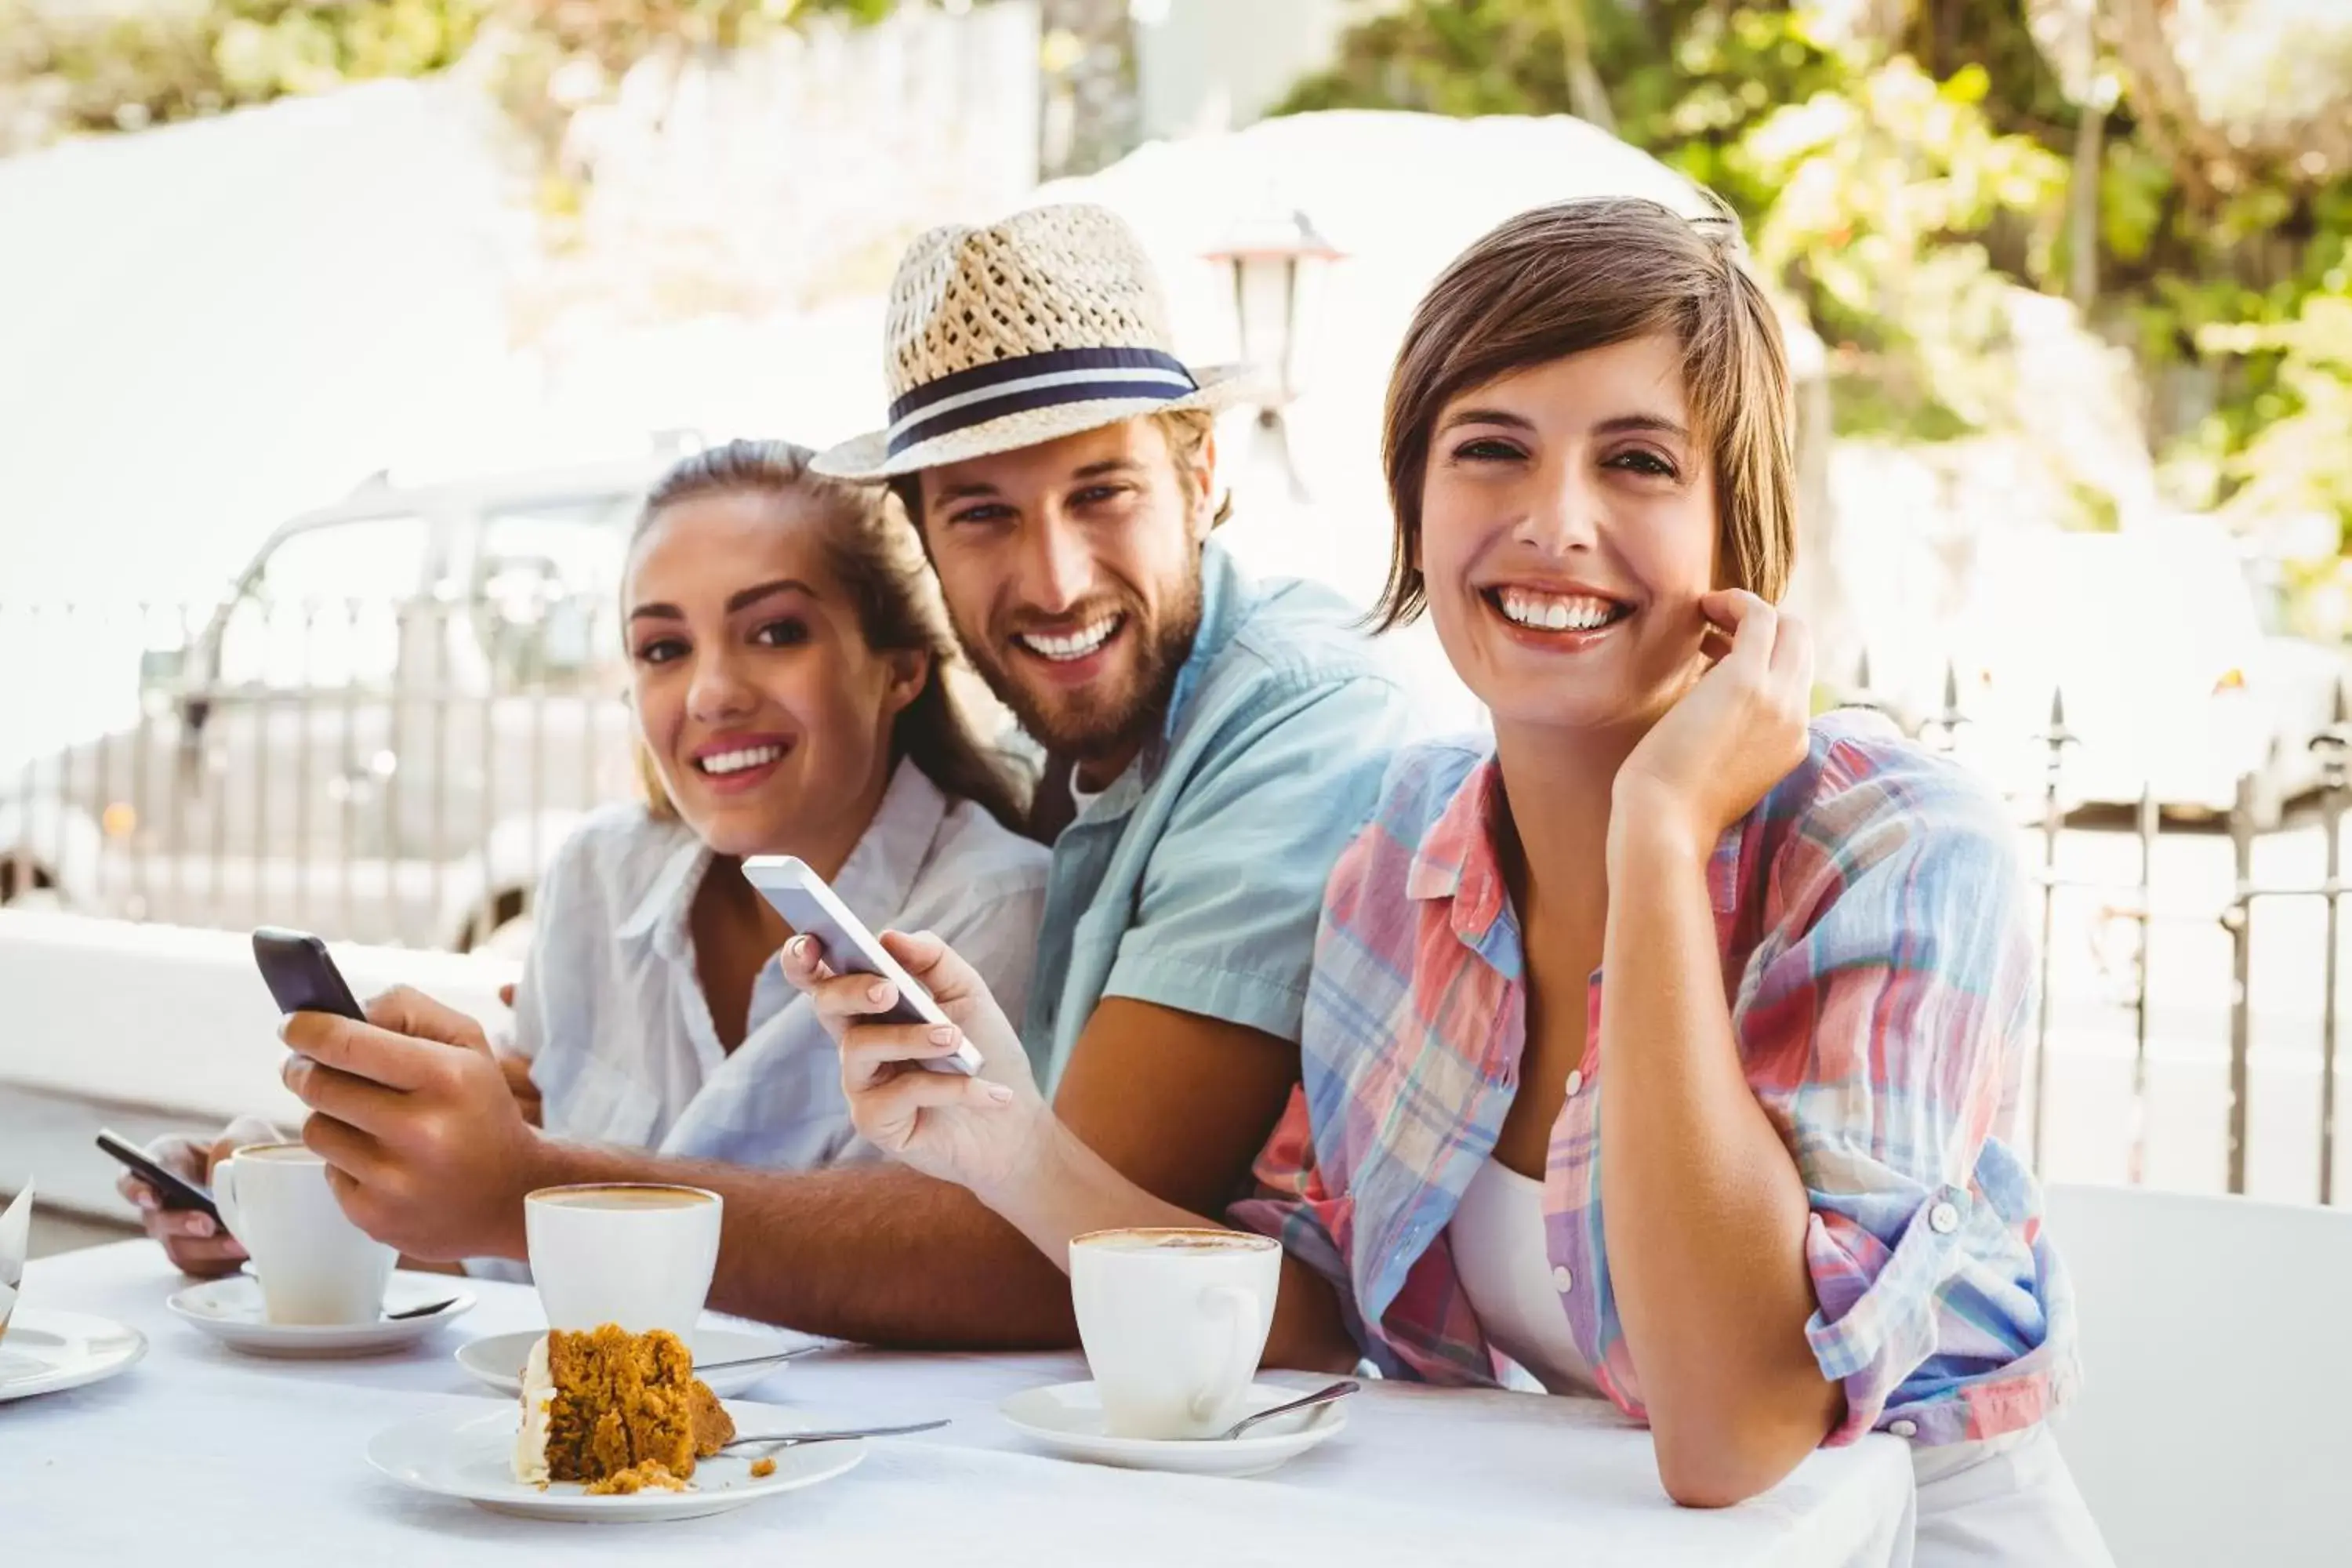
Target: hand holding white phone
(813,908)
(989,1130)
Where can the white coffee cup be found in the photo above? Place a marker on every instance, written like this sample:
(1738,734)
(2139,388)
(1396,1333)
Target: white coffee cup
(636,1254)
(316,1266)
(1173,1322)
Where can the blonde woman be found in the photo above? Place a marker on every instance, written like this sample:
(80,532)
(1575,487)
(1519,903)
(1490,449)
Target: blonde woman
(787,658)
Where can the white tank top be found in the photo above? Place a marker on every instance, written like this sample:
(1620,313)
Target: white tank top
(1497,1237)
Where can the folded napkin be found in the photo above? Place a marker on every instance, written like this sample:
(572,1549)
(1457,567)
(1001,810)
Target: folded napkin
(15,1240)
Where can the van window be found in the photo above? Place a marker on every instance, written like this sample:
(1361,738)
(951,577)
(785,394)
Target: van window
(546,582)
(323,607)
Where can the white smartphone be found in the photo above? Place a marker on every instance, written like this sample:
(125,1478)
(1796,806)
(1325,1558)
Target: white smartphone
(812,908)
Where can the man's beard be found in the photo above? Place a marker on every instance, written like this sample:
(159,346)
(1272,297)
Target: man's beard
(1096,722)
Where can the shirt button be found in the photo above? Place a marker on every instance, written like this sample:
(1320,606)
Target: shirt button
(1904,1428)
(1944,1219)
(1562,1280)
(1575,1082)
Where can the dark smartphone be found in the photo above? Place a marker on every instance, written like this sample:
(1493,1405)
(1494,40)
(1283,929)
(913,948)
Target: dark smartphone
(301,974)
(174,1191)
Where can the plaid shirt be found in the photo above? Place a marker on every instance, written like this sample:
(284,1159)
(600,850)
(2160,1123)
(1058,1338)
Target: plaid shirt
(1879,968)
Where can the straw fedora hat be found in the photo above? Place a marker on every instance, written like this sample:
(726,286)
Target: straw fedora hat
(1021,332)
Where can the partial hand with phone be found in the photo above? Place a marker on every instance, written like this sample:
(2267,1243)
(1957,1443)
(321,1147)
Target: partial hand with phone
(426,1145)
(196,1242)
(978,1131)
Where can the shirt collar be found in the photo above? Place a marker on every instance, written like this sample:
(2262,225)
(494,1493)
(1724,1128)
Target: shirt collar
(1227,594)
(874,880)
(879,874)
(661,914)
(1457,858)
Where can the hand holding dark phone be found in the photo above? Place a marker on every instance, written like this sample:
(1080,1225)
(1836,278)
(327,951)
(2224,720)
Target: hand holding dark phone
(173,1190)
(300,976)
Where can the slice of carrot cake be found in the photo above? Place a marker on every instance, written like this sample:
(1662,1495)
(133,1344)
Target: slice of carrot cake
(621,1412)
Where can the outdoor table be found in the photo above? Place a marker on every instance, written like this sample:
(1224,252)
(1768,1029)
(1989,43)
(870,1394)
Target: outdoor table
(199,1454)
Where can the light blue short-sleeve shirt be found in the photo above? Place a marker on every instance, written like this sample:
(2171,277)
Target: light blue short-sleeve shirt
(1193,881)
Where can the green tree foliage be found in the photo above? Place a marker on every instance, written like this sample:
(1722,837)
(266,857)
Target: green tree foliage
(69,68)
(1896,182)
(65,70)
(1889,202)
(2297,461)
(1886,202)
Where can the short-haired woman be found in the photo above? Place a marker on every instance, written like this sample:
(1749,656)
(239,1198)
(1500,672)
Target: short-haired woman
(1663,1044)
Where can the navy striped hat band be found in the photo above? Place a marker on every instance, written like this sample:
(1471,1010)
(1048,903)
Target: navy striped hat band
(986,391)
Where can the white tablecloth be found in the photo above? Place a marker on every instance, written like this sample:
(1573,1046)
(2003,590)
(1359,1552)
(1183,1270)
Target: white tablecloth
(201,1455)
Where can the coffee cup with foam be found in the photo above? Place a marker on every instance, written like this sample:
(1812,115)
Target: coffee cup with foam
(640,1255)
(316,1267)
(1174,1321)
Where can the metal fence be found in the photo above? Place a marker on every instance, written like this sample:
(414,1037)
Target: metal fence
(402,771)
(2135,904)
(387,771)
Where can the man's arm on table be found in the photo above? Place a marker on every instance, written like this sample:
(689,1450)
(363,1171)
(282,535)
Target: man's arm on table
(1178,1103)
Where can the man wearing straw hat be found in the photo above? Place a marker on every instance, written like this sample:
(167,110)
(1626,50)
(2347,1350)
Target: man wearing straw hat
(1211,742)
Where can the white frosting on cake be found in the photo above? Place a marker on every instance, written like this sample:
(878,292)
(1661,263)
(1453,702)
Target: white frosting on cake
(530,1438)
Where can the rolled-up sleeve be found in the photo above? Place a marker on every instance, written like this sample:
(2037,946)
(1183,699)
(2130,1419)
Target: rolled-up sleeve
(1291,1203)
(1224,925)
(1888,1034)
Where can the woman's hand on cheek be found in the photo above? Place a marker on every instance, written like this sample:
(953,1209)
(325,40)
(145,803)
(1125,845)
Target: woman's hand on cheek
(1734,735)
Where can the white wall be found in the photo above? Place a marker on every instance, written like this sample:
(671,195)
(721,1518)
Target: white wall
(178,1019)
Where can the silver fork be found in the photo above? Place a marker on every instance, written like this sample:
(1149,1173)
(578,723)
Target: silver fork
(775,1440)
(793,1355)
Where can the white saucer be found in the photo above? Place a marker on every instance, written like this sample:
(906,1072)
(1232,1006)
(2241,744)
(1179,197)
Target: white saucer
(45,1352)
(461,1454)
(498,1359)
(230,1311)
(1067,1420)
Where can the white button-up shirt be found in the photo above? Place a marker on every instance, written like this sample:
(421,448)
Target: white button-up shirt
(611,1012)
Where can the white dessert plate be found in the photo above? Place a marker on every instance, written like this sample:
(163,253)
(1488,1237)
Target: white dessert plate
(45,1352)
(462,1453)
(499,1360)
(231,1312)
(1067,1420)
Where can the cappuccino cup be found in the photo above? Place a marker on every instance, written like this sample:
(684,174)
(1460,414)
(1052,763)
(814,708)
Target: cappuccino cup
(1173,1322)
(316,1266)
(638,1255)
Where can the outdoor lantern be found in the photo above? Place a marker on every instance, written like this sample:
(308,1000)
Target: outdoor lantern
(1273,259)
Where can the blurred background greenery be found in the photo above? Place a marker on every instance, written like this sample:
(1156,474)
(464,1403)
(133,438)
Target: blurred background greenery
(1913,173)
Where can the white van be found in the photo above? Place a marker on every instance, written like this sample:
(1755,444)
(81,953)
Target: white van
(380,734)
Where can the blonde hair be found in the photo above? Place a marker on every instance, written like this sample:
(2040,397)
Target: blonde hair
(1579,274)
(875,557)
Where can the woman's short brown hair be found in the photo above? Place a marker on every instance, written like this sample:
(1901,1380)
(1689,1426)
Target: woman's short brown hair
(1560,279)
